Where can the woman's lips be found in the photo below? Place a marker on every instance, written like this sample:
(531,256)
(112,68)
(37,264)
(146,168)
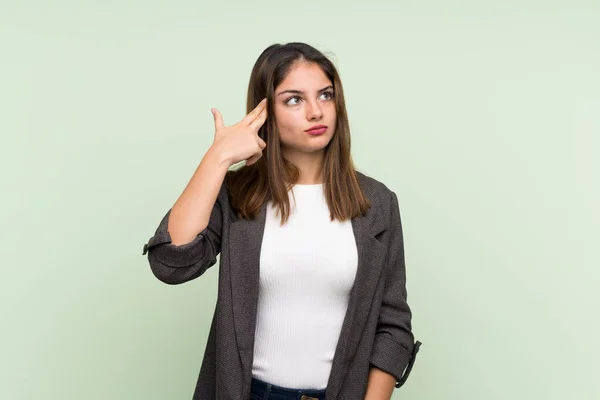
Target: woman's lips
(317,130)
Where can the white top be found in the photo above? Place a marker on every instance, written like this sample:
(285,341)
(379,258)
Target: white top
(307,269)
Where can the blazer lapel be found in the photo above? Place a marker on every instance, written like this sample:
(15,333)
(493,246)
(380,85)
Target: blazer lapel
(245,243)
(371,258)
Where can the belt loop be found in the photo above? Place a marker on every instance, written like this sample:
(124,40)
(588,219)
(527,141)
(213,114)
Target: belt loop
(267,391)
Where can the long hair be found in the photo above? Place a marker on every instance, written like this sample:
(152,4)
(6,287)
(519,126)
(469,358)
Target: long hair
(270,178)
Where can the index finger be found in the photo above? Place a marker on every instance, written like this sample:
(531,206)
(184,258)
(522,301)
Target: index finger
(260,120)
(252,115)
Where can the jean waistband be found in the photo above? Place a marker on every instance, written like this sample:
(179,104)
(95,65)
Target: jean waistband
(263,387)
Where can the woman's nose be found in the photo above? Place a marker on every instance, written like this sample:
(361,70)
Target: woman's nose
(314,111)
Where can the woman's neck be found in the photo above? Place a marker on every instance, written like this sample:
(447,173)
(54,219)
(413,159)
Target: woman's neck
(310,166)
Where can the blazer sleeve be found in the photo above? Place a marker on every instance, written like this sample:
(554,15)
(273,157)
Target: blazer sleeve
(175,264)
(393,348)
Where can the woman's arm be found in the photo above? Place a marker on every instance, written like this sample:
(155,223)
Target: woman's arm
(188,239)
(191,212)
(380,385)
(393,348)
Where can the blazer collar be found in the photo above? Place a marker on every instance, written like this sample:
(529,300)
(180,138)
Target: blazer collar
(245,243)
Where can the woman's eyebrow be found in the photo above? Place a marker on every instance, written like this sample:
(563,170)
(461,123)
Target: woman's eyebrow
(301,92)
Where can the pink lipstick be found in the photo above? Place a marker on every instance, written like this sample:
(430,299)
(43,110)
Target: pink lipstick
(316,130)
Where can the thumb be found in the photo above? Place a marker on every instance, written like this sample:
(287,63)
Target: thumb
(218,119)
(262,143)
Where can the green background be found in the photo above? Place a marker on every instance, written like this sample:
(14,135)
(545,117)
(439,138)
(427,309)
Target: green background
(482,117)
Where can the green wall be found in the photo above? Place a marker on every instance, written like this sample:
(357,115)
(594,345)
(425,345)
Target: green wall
(482,117)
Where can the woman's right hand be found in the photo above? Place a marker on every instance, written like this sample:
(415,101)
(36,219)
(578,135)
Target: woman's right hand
(241,141)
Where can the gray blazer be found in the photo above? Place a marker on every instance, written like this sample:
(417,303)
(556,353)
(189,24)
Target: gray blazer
(377,326)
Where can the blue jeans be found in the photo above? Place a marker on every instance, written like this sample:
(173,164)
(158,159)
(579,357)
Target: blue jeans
(265,391)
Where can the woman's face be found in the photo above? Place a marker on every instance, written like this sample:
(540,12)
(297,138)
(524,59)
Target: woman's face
(305,99)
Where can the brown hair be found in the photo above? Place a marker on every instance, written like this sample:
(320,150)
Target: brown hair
(273,175)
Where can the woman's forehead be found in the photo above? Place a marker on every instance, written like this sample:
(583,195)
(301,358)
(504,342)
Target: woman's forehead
(305,77)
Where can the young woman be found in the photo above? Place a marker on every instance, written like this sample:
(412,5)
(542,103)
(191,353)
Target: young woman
(311,298)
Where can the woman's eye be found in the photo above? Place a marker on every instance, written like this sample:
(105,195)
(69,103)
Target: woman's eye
(288,101)
(329,95)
